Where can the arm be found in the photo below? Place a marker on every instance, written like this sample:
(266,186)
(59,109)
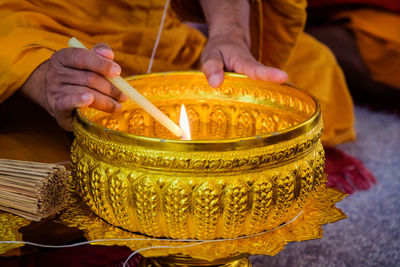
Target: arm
(228,46)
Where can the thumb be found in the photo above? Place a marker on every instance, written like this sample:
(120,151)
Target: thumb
(67,104)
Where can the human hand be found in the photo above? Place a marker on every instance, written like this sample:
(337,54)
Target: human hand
(232,54)
(72,78)
(228,46)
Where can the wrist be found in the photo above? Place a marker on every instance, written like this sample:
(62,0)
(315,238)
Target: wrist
(33,88)
(227,18)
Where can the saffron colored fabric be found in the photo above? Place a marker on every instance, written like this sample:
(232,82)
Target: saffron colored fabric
(31,31)
(377,34)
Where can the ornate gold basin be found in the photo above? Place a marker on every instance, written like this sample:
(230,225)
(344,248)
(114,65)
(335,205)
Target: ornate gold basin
(253,161)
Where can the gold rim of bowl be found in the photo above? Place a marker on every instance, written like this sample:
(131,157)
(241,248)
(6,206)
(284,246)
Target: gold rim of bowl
(203,145)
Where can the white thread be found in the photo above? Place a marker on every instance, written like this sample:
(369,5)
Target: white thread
(140,250)
(198,242)
(63,162)
(209,241)
(153,53)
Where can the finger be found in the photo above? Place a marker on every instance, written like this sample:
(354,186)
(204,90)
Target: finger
(213,68)
(79,58)
(105,103)
(93,80)
(100,101)
(103,50)
(265,73)
(68,102)
(255,70)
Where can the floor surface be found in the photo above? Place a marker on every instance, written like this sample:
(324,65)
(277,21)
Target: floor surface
(370,236)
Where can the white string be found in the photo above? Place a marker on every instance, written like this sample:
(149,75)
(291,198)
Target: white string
(63,162)
(198,242)
(140,250)
(158,36)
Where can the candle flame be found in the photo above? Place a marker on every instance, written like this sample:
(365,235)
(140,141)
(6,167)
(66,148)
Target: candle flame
(184,124)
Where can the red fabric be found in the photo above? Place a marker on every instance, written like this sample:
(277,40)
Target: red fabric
(391,5)
(346,173)
(82,256)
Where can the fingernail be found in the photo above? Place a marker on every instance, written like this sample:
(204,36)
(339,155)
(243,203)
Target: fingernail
(101,50)
(86,97)
(115,69)
(281,75)
(123,97)
(118,107)
(214,80)
(105,52)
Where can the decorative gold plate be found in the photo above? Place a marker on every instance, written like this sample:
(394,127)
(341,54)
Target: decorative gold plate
(318,210)
(9,230)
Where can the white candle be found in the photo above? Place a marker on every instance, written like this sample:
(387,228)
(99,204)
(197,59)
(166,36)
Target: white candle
(184,124)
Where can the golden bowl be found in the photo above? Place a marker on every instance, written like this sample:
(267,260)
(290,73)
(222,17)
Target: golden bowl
(254,159)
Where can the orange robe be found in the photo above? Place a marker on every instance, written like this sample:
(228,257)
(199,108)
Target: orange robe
(377,34)
(30,32)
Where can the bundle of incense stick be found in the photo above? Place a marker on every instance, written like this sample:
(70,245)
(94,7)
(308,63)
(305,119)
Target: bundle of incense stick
(32,190)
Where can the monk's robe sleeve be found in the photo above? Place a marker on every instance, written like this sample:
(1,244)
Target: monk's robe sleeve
(377,33)
(27,39)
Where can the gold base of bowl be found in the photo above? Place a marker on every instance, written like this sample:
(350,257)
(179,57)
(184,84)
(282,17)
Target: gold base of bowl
(318,210)
(254,159)
(182,261)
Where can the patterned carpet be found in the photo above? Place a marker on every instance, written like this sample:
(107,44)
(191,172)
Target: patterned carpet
(371,234)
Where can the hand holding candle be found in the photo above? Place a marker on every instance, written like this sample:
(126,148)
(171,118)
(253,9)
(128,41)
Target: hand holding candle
(139,99)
